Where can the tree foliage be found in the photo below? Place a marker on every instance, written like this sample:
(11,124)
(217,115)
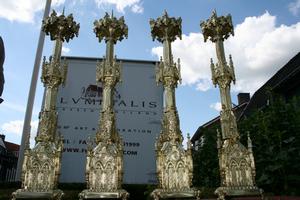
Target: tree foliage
(275,133)
(206,164)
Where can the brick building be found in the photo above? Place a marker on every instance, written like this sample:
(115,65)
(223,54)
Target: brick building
(9,153)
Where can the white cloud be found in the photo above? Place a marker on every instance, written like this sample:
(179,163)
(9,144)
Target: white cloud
(137,9)
(13,127)
(294,7)
(65,50)
(135,5)
(194,55)
(23,10)
(16,127)
(20,10)
(216,106)
(157,51)
(203,85)
(259,49)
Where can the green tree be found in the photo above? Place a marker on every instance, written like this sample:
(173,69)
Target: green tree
(275,132)
(206,164)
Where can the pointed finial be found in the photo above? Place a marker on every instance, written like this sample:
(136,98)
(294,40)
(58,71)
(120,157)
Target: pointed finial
(249,141)
(213,72)
(63,13)
(89,143)
(219,142)
(231,69)
(27,143)
(165,12)
(218,134)
(156,141)
(112,13)
(230,61)
(214,13)
(189,144)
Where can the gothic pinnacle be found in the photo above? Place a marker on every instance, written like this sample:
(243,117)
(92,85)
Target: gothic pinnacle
(60,27)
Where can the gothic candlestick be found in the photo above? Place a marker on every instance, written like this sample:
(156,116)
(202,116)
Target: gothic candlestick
(41,166)
(174,164)
(237,167)
(104,167)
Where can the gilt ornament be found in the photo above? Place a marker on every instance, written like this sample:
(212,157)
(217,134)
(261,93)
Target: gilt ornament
(236,162)
(174,164)
(104,166)
(41,165)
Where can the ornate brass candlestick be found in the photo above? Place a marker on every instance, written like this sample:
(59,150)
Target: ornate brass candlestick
(104,166)
(41,166)
(174,164)
(236,162)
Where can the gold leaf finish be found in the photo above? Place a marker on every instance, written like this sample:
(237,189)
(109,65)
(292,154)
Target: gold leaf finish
(174,163)
(236,162)
(104,166)
(41,165)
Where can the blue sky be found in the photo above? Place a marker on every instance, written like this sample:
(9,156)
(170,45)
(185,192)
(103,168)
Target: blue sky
(267,35)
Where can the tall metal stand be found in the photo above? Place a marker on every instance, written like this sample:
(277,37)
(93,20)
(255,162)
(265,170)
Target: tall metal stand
(41,166)
(174,163)
(104,166)
(236,162)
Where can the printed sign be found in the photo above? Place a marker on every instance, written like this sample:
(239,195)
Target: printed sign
(138,103)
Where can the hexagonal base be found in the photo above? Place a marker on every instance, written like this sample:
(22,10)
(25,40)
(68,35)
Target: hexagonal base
(223,192)
(185,194)
(24,194)
(119,194)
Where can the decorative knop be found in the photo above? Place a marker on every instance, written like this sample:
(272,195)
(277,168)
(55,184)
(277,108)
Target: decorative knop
(60,27)
(165,28)
(217,28)
(110,28)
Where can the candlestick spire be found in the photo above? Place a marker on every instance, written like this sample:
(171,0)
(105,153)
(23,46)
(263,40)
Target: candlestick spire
(41,166)
(237,167)
(104,166)
(174,163)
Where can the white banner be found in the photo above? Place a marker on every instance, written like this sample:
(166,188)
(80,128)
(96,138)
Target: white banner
(138,106)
